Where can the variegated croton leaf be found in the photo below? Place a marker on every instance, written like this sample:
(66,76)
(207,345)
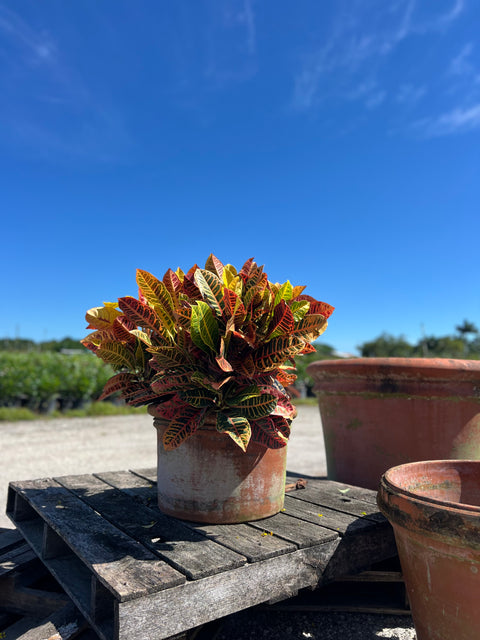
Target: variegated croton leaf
(211,340)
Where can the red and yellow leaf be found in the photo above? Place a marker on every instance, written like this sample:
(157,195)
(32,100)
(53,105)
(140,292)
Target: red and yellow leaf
(286,379)
(214,265)
(173,283)
(183,426)
(275,352)
(316,306)
(310,327)
(102,317)
(121,329)
(139,313)
(267,433)
(118,382)
(164,384)
(282,322)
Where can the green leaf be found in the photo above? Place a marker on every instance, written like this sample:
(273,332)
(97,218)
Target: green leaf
(211,289)
(168,357)
(244,394)
(237,427)
(141,335)
(204,328)
(139,357)
(116,354)
(198,397)
(256,407)
(285,292)
(299,308)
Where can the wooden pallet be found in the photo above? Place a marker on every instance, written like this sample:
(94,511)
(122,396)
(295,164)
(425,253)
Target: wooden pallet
(134,572)
(379,590)
(33,606)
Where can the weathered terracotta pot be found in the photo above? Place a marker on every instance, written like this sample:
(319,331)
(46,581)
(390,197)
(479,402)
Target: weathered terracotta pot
(381,412)
(208,478)
(434,508)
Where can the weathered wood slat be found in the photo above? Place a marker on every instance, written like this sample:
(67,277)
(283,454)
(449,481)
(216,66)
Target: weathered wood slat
(299,531)
(15,558)
(26,601)
(240,538)
(246,540)
(302,534)
(334,496)
(344,523)
(186,550)
(218,596)
(149,473)
(125,567)
(9,538)
(64,624)
(358,493)
(357,552)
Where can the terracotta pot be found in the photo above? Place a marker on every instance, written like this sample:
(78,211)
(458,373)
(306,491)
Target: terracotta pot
(208,478)
(381,412)
(434,508)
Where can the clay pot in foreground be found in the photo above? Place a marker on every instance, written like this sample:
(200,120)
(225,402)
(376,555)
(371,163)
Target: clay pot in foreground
(381,412)
(434,508)
(209,479)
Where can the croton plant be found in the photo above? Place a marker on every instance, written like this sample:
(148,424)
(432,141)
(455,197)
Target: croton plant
(213,340)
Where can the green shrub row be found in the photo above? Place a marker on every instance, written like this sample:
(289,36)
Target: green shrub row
(43,381)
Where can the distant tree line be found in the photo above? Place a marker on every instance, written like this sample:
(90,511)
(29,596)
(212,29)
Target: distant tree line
(24,344)
(465,344)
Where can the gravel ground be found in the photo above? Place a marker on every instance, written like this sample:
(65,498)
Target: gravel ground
(46,448)
(273,625)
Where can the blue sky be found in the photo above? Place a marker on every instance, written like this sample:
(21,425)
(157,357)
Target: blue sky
(337,142)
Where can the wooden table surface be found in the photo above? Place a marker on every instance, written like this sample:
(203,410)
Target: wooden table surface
(134,572)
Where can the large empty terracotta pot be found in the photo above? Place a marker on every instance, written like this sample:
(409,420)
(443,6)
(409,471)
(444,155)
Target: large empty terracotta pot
(434,508)
(381,412)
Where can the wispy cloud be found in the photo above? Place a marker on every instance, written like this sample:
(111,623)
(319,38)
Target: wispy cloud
(462,65)
(359,45)
(47,108)
(231,43)
(37,48)
(459,120)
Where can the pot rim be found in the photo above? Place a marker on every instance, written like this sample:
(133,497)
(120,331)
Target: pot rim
(438,368)
(391,487)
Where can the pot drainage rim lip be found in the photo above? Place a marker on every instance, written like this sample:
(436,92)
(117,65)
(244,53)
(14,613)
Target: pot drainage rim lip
(389,486)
